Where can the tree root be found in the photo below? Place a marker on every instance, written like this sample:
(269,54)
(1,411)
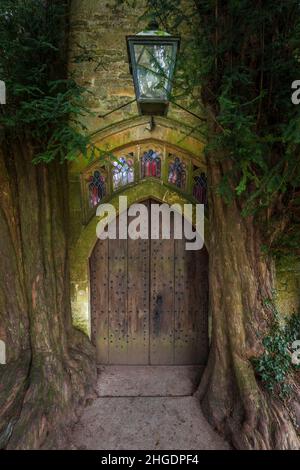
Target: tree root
(265,425)
(57,391)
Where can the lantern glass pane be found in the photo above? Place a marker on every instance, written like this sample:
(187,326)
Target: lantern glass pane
(155,65)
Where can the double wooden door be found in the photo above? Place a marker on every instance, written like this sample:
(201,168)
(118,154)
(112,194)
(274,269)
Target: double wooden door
(149,302)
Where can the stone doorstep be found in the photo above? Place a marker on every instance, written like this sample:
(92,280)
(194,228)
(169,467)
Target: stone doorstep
(148,381)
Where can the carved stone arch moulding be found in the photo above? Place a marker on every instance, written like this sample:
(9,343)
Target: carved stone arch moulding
(83,247)
(149,169)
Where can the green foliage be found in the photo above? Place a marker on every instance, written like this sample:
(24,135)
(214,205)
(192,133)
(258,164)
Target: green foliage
(275,365)
(243,57)
(44,103)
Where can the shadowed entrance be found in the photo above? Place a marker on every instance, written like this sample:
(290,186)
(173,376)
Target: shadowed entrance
(149,302)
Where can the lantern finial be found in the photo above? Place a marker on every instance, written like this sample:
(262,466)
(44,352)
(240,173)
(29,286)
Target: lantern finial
(153,25)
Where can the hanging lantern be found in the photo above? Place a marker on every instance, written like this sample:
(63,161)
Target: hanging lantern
(152,58)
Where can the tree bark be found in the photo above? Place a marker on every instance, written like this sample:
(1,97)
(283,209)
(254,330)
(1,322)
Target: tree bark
(241,281)
(50,365)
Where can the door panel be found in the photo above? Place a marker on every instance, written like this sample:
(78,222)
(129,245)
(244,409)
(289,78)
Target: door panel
(117,312)
(191,305)
(162,301)
(138,301)
(149,302)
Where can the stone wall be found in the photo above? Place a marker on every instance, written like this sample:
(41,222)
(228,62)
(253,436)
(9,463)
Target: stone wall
(98,31)
(288,289)
(102,28)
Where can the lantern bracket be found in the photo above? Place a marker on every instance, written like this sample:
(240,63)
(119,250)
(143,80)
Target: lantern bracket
(188,111)
(102,116)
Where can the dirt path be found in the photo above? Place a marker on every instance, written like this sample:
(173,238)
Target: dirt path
(147,408)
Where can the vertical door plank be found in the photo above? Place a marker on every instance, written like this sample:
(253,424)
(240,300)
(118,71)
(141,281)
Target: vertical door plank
(138,301)
(184,328)
(162,301)
(197,292)
(191,297)
(99,299)
(118,319)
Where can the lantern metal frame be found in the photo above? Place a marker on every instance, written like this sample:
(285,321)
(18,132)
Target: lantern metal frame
(152,106)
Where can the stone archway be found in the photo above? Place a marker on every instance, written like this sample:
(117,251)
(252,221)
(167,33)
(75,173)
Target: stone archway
(83,235)
(83,249)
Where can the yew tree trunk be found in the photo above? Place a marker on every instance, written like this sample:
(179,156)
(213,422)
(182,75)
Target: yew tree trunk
(50,365)
(241,281)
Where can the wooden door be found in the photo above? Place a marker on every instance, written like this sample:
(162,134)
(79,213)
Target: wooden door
(149,302)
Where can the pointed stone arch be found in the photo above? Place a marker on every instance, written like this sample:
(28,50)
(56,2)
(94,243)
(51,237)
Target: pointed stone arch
(83,232)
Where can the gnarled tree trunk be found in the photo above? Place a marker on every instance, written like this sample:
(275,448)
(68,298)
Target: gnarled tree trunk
(241,281)
(50,365)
